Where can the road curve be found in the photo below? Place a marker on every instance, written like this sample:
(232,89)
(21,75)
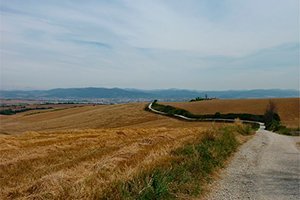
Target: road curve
(266,167)
(262,126)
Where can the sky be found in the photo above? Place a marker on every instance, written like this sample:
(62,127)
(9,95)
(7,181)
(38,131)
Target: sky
(191,44)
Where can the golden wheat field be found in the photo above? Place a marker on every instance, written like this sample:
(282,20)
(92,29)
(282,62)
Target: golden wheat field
(288,108)
(77,153)
(81,164)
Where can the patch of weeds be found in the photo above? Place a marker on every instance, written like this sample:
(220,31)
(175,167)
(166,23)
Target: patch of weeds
(244,130)
(147,186)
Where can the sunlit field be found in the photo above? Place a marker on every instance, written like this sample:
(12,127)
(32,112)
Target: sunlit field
(288,108)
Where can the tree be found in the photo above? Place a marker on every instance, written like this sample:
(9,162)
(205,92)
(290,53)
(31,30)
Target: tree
(271,117)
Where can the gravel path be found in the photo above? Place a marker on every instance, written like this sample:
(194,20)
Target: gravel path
(266,167)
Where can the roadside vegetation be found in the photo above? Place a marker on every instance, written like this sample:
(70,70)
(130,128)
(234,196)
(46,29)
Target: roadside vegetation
(188,169)
(171,111)
(273,122)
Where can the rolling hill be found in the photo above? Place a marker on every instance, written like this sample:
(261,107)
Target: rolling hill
(94,93)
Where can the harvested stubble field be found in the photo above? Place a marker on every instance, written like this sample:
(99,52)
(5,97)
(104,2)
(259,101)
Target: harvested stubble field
(81,164)
(288,108)
(77,153)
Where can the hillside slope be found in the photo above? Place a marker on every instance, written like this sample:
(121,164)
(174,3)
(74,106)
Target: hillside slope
(88,117)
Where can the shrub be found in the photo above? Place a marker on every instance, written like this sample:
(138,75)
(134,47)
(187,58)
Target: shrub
(217,115)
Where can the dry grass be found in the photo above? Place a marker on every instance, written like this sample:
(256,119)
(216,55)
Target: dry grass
(288,108)
(79,164)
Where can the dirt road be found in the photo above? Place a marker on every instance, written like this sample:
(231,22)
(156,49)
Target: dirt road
(266,167)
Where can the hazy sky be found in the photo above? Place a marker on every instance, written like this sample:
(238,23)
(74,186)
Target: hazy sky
(193,44)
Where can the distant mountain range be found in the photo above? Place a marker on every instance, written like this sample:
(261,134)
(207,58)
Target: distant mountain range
(114,93)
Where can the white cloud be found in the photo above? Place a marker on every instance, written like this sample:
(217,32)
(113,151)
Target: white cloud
(137,43)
